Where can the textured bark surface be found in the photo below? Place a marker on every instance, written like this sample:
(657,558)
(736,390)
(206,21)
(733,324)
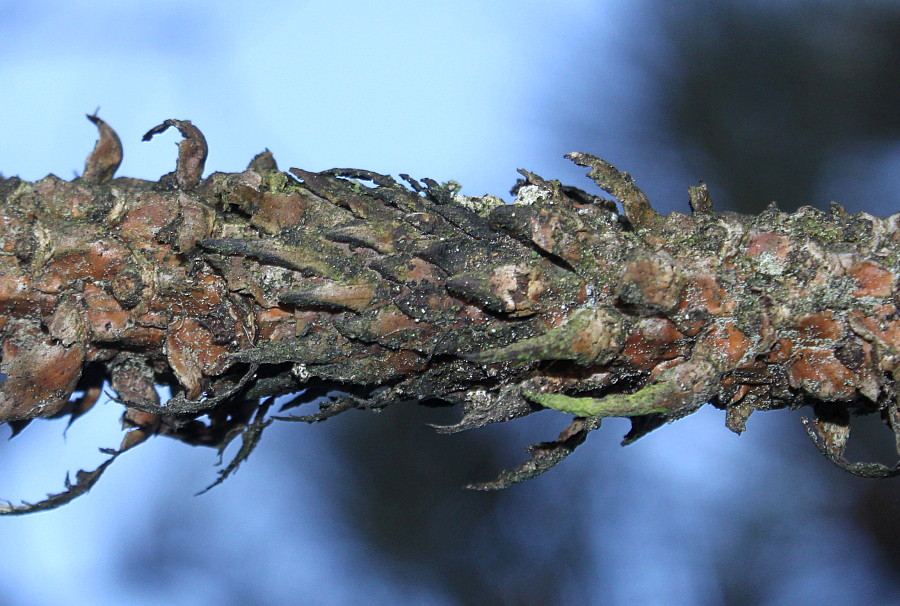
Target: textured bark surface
(347,284)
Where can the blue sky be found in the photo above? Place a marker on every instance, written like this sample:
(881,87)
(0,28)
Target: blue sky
(459,90)
(447,89)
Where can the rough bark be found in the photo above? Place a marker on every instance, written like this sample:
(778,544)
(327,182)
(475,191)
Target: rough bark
(348,288)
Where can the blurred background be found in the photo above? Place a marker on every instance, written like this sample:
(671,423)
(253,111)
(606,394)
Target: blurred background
(795,102)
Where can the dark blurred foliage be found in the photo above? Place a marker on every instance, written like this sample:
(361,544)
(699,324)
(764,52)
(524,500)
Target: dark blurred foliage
(764,99)
(400,492)
(877,511)
(768,98)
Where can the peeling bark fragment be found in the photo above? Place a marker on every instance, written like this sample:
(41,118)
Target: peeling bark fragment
(621,185)
(104,161)
(831,440)
(41,375)
(243,287)
(191,151)
(700,199)
(250,437)
(134,384)
(84,481)
(544,456)
(482,407)
(263,162)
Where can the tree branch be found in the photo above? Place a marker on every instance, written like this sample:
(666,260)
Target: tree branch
(243,287)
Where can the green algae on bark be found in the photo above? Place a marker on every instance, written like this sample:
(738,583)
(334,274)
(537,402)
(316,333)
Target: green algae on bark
(353,290)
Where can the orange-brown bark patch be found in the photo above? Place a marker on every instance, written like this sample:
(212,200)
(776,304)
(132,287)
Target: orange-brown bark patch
(768,242)
(650,282)
(40,378)
(276,212)
(106,319)
(652,340)
(818,372)
(819,326)
(192,352)
(147,217)
(278,324)
(872,280)
(781,351)
(726,342)
(15,285)
(705,293)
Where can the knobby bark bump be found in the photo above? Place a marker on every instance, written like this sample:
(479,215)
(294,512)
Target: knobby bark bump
(348,289)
